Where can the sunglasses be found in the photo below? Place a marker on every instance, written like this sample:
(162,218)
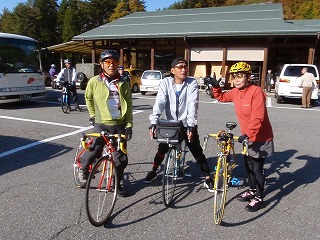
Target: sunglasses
(181,67)
(238,75)
(108,62)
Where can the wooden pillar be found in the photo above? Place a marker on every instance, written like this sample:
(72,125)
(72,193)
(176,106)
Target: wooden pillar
(187,57)
(264,67)
(93,52)
(152,59)
(121,57)
(223,64)
(311,56)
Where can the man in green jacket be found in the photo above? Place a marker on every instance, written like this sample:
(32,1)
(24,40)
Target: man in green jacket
(109,101)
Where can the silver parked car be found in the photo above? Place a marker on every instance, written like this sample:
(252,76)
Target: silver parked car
(151,79)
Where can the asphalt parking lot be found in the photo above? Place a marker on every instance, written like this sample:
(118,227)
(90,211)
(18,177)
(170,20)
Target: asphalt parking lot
(39,200)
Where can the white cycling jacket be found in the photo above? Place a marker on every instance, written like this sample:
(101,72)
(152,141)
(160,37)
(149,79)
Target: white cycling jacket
(182,105)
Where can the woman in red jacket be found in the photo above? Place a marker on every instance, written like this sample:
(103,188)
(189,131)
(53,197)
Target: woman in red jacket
(249,103)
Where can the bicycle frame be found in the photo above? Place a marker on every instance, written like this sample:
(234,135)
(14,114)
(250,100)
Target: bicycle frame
(102,185)
(225,163)
(174,165)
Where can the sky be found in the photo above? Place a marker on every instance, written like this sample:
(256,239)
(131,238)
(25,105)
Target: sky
(152,5)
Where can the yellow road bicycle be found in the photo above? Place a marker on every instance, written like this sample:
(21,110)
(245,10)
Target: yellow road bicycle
(225,163)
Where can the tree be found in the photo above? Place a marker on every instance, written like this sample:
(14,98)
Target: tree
(7,22)
(125,7)
(69,18)
(23,20)
(101,11)
(48,15)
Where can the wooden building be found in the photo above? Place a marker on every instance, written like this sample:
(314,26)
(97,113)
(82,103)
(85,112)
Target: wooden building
(211,39)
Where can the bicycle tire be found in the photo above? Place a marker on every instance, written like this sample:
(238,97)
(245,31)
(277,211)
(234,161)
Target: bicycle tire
(101,191)
(220,189)
(169,177)
(64,104)
(77,165)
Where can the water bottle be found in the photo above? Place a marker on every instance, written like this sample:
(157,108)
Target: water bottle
(235,181)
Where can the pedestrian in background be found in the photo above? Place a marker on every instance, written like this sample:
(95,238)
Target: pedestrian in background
(307,83)
(53,72)
(269,81)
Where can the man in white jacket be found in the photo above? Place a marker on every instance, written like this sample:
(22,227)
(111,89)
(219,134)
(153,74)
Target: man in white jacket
(178,98)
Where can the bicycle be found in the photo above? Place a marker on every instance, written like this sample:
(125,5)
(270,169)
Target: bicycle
(102,184)
(64,99)
(171,132)
(223,170)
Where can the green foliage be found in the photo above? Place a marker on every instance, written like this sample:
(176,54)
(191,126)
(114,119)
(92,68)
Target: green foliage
(293,9)
(125,7)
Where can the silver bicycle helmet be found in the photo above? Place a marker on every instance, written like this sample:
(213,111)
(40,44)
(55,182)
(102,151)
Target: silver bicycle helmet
(67,61)
(109,54)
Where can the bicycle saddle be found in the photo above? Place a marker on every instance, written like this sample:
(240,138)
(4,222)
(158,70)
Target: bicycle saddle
(231,125)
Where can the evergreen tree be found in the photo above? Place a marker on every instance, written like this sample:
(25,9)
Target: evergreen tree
(48,15)
(101,11)
(125,7)
(69,19)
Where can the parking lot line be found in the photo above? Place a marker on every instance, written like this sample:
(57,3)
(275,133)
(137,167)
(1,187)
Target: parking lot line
(81,129)
(43,141)
(39,121)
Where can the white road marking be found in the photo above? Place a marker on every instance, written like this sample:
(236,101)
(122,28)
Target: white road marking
(43,141)
(81,129)
(39,121)
(268,103)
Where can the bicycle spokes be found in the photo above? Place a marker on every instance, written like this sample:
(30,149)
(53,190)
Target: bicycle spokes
(101,191)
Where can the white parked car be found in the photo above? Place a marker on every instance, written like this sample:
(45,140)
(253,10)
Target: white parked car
(288,82)
(151,79)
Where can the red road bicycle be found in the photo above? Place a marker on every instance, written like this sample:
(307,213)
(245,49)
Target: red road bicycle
(101,188)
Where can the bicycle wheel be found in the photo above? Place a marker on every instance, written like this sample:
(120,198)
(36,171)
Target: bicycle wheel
(220,190)
(77,165)
(64,104)
(169,177)
(101,191)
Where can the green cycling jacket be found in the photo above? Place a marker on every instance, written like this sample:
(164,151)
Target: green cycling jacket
(96,97)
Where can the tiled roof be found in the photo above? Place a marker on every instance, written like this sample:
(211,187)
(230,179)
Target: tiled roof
(248,20)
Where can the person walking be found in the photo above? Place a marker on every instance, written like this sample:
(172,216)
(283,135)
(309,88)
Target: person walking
(109,101)
(307,83)
(68,75)
(178,97)
(53,71)
(249,103)
(269,81)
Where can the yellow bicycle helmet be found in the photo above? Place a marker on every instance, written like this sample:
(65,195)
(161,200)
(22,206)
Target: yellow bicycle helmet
(240,67)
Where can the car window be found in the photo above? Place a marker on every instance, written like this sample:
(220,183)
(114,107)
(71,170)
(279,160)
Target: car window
(295,71)
(151,75)
(136,73)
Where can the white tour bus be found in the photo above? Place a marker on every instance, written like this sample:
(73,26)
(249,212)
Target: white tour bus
(21,76)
